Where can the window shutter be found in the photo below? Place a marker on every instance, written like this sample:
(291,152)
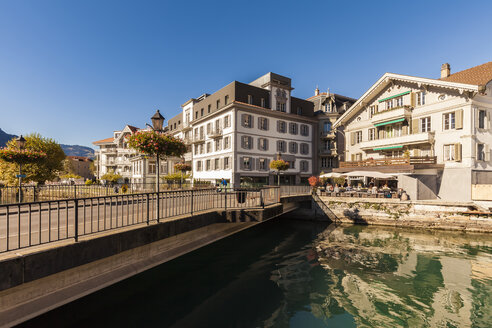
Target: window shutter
(252,121)
(477,117)
(459,119)
(252,163)
(457,152)
(259,144)
(241,163)
(487,120)
(266,124)
(266,144)
(243,144)
(404,130)
(278,126)
(352,138)
(243,119)
(278,145)
(412,99)
(250,142)
(259,122)
(415,126)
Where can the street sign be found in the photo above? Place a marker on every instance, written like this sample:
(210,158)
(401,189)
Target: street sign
(20,176)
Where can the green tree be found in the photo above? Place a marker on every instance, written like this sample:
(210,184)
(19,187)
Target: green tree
(40,172)
(111,177)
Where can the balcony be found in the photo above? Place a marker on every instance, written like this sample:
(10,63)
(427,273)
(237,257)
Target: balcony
(186,126)
(393,114)
(199,139)
(327,152)
(217,133)
(396,142)
(391,161)
(327,134)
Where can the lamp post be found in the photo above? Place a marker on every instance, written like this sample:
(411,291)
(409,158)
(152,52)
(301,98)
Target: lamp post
(21,142)
(157,122)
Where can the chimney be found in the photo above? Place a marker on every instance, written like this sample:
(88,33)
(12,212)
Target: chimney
(445,70)
(316,91)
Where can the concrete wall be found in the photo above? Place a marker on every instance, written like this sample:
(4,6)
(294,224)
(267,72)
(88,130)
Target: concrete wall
(455,184)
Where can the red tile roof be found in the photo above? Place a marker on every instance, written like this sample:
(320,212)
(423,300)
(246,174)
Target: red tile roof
(104,140)
(478,75)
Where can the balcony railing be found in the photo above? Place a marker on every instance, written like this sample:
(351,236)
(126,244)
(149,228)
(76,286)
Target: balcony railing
(409,139)
(393,161)
(215,133)
(392,114)
(327,134)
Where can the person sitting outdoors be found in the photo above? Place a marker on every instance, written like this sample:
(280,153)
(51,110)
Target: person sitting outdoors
(330,187)
(336,189)
(374,190)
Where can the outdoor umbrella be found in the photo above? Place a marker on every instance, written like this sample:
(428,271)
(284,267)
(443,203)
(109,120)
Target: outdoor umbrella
(331,175)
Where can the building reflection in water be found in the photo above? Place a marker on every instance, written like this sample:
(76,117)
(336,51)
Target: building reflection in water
(387,277)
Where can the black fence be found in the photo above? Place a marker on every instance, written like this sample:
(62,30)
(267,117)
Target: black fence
(35,223)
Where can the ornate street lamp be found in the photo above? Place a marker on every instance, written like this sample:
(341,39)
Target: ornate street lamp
(157,123)
(21,142)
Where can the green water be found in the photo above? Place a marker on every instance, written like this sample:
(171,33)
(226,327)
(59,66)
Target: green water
(289,273)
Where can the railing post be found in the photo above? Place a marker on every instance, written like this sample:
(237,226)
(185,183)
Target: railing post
(76,210)
(148,208)
(225,199)
(75,191)
(191,202)
(261,198)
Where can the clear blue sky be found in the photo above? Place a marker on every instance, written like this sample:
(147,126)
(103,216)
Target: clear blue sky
(77,70)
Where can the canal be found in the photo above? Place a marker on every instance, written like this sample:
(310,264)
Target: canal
(288,273)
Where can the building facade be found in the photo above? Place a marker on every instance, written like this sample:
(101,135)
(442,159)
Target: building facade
(81,166)
(237,131)
(328,107)
(434,132)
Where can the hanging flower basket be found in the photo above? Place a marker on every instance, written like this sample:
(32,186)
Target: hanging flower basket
(279,165)
(21,156)
(152,142)
(183,167)
(314,181)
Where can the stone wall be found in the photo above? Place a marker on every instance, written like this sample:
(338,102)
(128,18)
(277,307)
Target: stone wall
(415,214)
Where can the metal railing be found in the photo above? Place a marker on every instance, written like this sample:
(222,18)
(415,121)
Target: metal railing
(391,161)
(295,190)
(28,224)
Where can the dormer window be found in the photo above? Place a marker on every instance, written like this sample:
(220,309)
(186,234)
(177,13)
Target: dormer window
(250,99)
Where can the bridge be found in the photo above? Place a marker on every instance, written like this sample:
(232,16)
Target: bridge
(53,252)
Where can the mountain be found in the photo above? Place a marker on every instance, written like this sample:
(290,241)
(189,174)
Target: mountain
(70,150)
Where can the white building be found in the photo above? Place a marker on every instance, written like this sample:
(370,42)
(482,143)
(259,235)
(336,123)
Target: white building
(239,129)
(436,131)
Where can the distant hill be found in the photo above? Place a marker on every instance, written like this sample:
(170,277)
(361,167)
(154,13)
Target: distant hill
(70,150)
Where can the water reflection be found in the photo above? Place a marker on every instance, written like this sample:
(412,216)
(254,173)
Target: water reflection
(386,277)
(299,274)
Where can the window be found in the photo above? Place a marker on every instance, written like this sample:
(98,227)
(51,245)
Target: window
(209,128)
(226,163)
(187,118)
(449,152)
(293,147)
(263,123)
(372,111)
(151,168)
(201,112)
(304,166)
(425,124)
(293,128)
(209,108)
(247,163)
(421,98)
(327,162)
(480,152)
(196,149)
(299,110)
(281,126)
(304,149)
(227,121)
(399,102)
(449,121)
(263,104)
(247,121)
(326,145)
(304,130)
(372,134)
(263,144)
(217,164)
(328,107)
(389,104)
(250,99)
(281,107)
(218,144)
(358,137)
(202,135)
(262,164)
(209,147)
(217,125)
(227,142)
(196,114)
(218,103)
(281,145)
(226,100)
(292,164)
(207,165)
(247,142)
(481,119)
(202,149)
(327,127)
(199,165)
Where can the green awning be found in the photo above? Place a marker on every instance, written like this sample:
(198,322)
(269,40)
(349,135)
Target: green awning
(389,122)
(400,94)
(389,147)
